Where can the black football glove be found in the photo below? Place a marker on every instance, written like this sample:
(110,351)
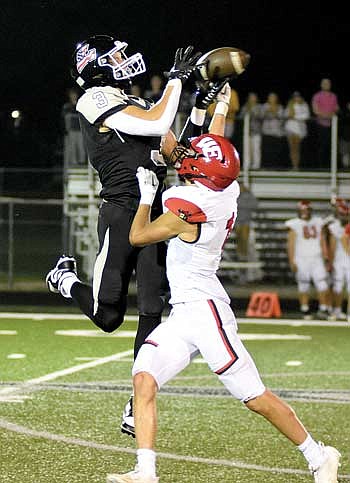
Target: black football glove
(206,93)
(184,64)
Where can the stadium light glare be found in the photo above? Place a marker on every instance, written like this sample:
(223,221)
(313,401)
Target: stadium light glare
(15,114)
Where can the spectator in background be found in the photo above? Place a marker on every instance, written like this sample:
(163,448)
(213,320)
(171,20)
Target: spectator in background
(324,106)
(344,135)
(74,152)
(156,88)
(233,108)
(273,134)
(253,108)
(297,113)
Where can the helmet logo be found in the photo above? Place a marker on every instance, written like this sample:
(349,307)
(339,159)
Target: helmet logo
(84,56)
(210,148)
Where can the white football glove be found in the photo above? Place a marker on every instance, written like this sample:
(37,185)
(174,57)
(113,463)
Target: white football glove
(148,184)
(225,94)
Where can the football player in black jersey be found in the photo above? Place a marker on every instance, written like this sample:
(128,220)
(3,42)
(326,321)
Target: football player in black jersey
(121,132)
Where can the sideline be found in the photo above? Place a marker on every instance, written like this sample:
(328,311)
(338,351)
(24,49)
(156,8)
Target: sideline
(170,456)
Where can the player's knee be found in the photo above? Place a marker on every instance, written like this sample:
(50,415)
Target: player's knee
(145,385)
(258,403)
(109,322)
(303,287)
(263,404)
(269,404)
(321,285)
(152,306)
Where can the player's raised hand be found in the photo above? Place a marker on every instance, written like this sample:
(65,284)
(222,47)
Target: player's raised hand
(224,94)
(184,63)
(210,92)
(148,184)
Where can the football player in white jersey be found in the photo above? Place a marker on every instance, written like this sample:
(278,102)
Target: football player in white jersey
(340,260)
(308,258)
(197,219)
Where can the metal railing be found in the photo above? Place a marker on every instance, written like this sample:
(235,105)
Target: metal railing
(34,231)
(32,221)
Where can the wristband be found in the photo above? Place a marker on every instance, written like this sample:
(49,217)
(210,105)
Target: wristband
(221,108)
(198,116)
(147,198)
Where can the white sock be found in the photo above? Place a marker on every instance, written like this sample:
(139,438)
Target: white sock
(323,307)
(304,307)
(66,283)
(146,462)
(312,452)
(337,310)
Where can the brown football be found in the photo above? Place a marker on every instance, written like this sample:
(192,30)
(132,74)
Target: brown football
(221,63)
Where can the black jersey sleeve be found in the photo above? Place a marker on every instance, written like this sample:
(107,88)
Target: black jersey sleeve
(189,131)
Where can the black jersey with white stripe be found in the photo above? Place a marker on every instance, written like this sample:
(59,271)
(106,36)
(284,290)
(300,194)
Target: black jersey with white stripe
(116,155)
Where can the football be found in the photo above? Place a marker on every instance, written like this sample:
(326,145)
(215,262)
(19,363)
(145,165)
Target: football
(221,63)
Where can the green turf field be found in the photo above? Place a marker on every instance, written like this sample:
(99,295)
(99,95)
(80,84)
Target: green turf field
(64,385)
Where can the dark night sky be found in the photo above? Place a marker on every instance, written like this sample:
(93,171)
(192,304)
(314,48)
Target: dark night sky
(291,48)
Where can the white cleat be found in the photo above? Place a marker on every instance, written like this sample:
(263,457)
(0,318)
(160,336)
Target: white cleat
(328,471)
(131,477)
(66,266)
(341,316)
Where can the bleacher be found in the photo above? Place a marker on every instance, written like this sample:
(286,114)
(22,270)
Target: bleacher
(81,201)
(277,193)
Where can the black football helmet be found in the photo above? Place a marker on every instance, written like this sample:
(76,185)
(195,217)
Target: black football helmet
(95,63)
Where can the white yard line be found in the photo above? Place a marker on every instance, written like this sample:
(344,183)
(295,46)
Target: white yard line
(170,456)
(55,316)
(65,372)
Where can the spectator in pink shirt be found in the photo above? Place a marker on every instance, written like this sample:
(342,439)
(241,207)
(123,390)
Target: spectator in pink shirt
(324,106)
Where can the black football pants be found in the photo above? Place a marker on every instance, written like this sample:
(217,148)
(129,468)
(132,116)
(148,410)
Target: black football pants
(105,303)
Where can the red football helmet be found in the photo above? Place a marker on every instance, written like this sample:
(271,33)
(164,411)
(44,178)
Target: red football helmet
(210,159)
(304,209)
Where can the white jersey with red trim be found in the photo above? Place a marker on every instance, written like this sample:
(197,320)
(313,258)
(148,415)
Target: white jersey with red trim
(192,266)
(340,256)
(308,236)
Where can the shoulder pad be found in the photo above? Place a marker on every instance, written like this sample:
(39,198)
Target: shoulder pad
(186,210)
